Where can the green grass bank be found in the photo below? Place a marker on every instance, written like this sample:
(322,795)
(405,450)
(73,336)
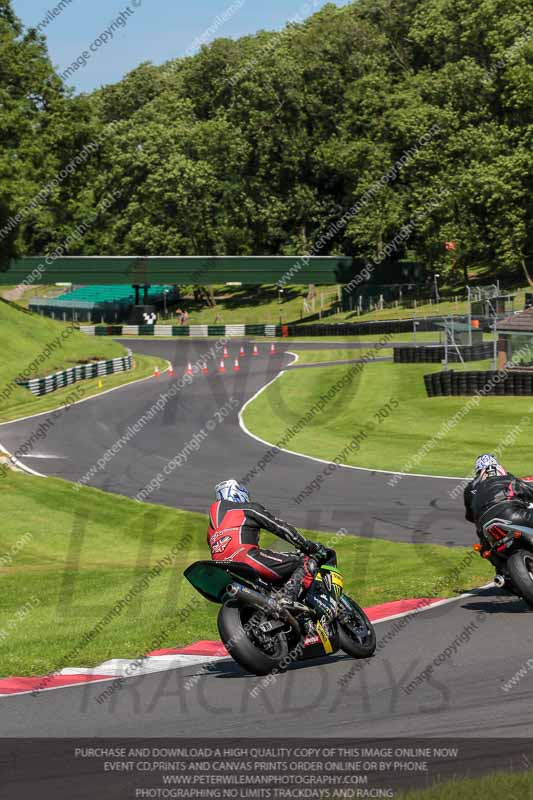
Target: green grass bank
(68,556)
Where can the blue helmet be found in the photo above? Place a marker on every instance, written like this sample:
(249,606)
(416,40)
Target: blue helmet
(231,490)
(487,466)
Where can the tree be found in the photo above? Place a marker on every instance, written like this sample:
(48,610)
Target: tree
(30,95)
(329,136)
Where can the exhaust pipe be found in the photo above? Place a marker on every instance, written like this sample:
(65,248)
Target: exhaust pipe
(239,592)
(499,581)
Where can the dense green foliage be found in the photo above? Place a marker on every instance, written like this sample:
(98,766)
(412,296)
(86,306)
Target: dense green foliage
(261,145)
(42,127)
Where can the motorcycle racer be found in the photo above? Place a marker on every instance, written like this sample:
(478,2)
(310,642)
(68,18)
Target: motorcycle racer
(235,524)
(495,494)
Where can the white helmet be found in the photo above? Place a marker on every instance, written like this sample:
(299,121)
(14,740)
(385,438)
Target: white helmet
(487,466)
(231,490)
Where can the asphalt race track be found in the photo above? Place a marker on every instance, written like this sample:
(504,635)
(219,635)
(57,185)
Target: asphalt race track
(414,510)
(337,697)
(463,696)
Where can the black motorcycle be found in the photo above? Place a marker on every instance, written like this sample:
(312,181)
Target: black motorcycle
(513,545)
(263,631)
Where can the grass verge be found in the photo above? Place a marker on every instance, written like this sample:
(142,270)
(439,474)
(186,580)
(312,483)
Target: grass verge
(407,438)
(36,346)
(62,576)
(249,304)
(513,787)
(144,367)
(425,310)
(29,292)
(318,356)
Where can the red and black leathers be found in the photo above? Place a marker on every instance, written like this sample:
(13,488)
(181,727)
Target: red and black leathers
(233,535)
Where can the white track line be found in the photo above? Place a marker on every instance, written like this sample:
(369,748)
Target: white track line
(171,664)
(168,663)
(41,455)
(241,425)
(322,460)
(122,667)
(438,604)
(85,399)
(22,466)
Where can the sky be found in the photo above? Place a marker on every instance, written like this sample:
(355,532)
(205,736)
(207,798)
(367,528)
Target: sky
(145,30)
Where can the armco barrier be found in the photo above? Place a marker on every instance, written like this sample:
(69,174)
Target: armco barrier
(341,329)
(81,372)
(375,328)
(490,382)
(426,354)
(184,330)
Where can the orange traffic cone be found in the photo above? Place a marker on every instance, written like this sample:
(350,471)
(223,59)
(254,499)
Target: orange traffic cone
(236,367)
(222,367)
(171,370)
(255,351)
(205,369)
(189,369)
(241,352)
(157,372)
(272,349)
(226,354)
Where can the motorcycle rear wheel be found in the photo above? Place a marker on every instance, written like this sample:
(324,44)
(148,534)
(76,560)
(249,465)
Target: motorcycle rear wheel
(520,569)
(357,636)
(237,634)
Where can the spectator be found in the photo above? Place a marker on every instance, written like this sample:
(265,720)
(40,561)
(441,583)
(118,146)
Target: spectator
(185,317)
(179,315)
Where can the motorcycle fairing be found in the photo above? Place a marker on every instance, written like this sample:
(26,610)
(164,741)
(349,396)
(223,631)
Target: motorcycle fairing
(324,593)
(332,579)
(210,578)
(324,638)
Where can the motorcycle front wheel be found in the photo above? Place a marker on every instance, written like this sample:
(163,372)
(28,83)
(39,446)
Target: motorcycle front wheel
(357,636)
(237,625)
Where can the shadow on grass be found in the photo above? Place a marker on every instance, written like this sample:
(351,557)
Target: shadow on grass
(245,296)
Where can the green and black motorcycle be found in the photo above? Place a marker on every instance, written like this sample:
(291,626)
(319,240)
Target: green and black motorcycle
(264,632)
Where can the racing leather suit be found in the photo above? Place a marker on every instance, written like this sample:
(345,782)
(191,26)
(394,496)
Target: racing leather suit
(233,535)
(503,497)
